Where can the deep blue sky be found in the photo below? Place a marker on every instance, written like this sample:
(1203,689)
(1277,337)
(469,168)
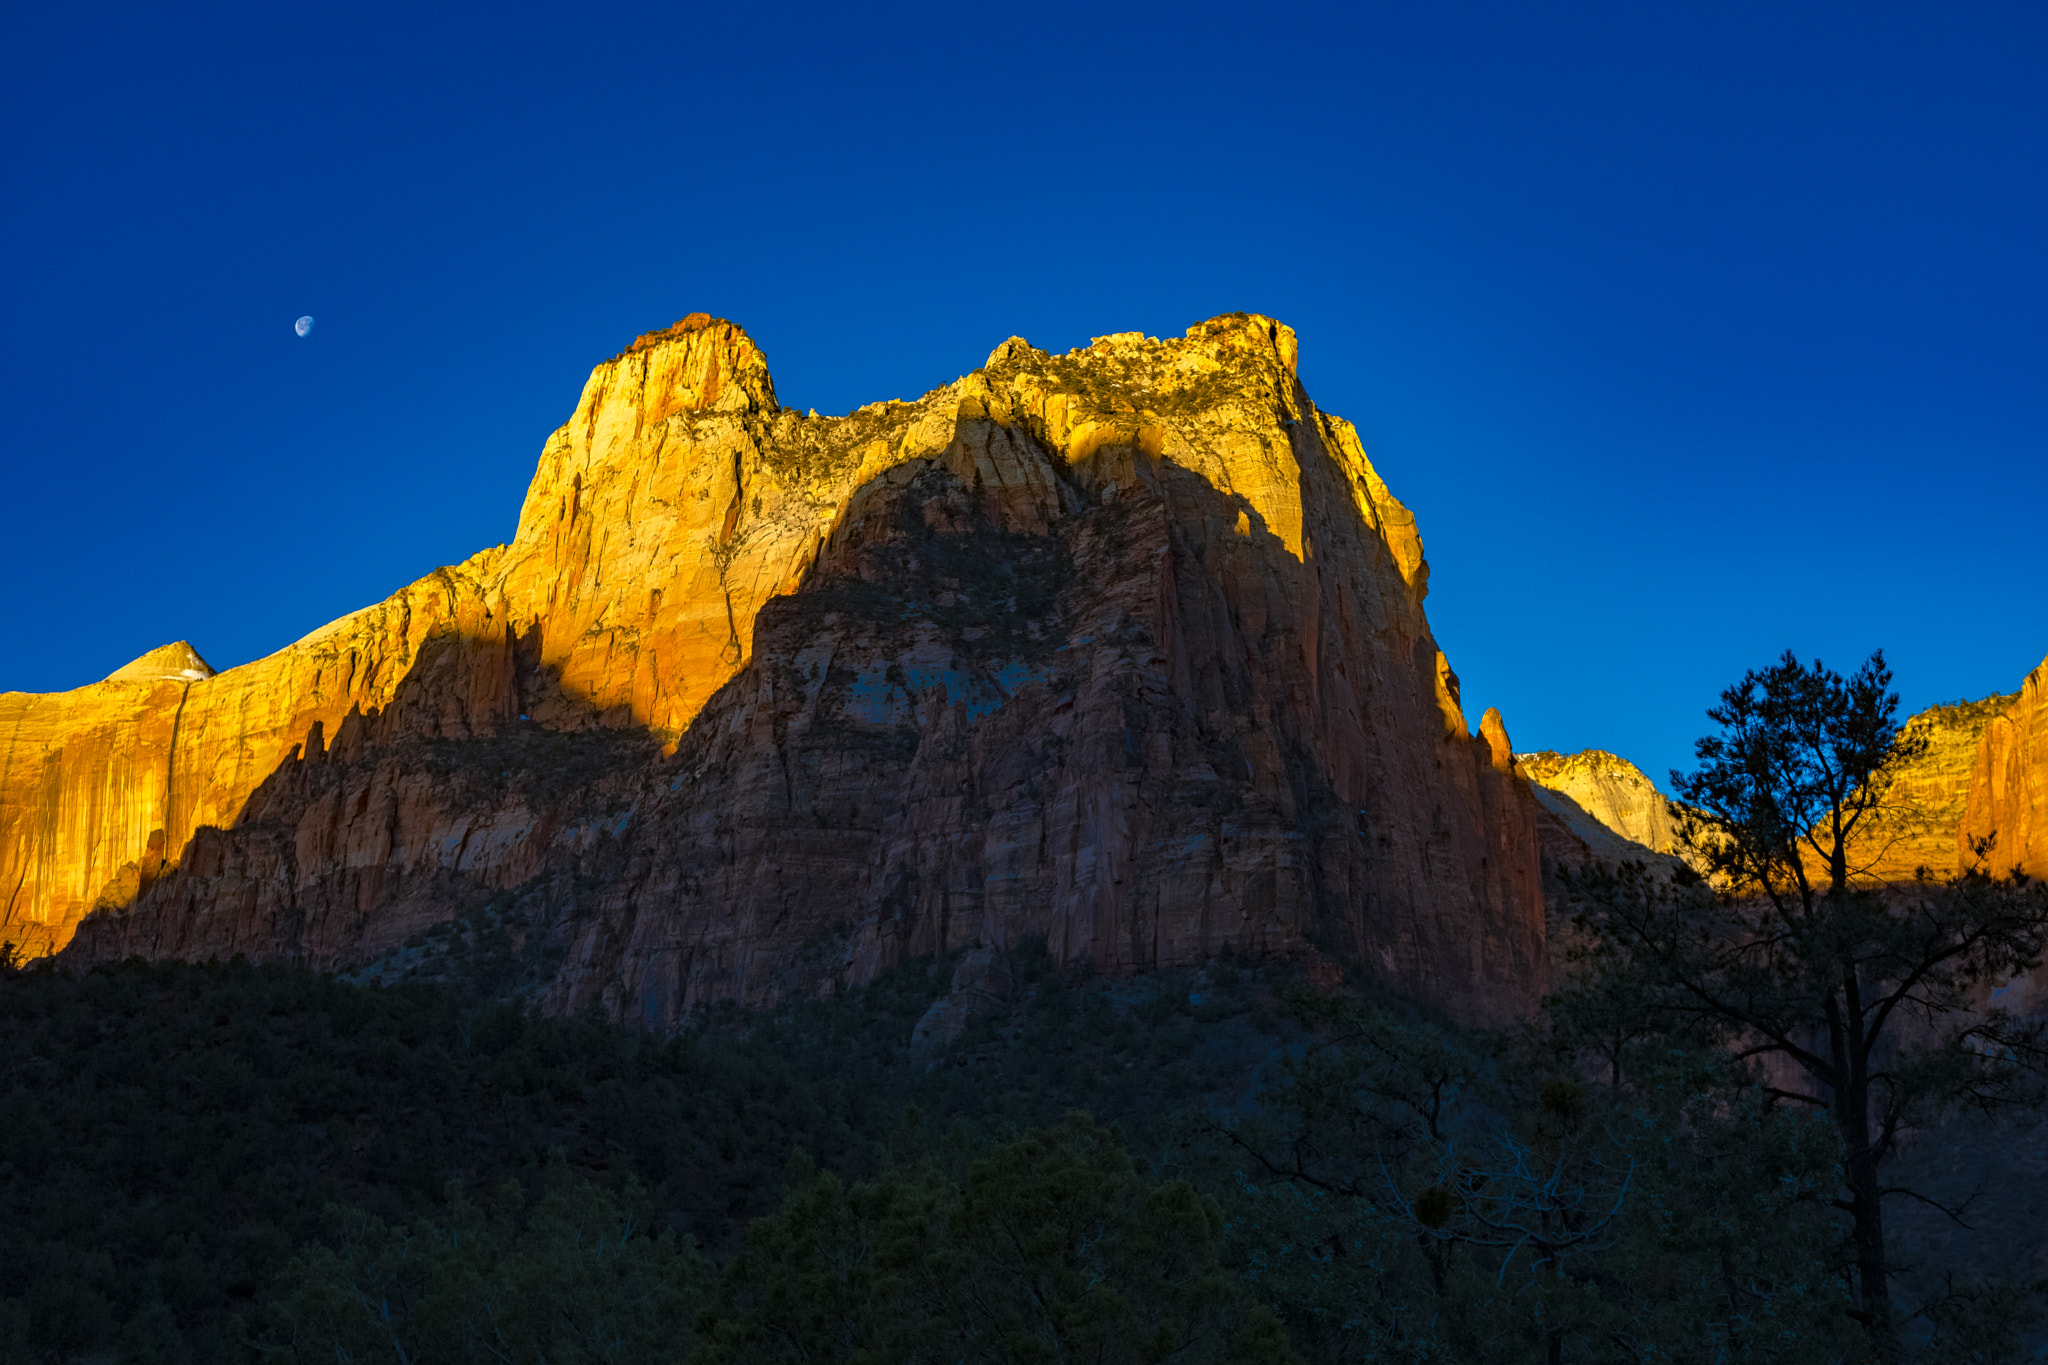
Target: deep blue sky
(1691,332)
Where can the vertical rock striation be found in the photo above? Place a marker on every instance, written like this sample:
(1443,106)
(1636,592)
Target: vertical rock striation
(1124,648)
(103,787)
(1924,809)
(2008,800)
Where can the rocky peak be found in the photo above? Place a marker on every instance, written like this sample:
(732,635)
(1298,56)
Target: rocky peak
(700,364)
(1252,332)
(1124,648)
(1602,797)
(672,472)
(174,662)
(1500,753)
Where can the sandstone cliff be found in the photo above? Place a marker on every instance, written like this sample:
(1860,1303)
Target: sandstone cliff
(1593,806)
(1123,647)
(1978,759)
(1925,805)
(1605,788)
(2008,792)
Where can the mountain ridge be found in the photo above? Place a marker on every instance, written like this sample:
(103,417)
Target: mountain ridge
(1123,648)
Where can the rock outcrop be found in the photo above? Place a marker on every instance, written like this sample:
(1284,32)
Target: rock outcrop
(2008,792)
(1984,770)
(1124,648)
(981,983)
(1918,828)
(176,662)
(1594,806)
(1607,788)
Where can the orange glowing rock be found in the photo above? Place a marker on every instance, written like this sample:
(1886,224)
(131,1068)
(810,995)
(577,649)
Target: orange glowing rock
(2008,801)
(1124,648)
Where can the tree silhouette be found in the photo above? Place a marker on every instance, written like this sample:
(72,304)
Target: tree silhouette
(1865,1002)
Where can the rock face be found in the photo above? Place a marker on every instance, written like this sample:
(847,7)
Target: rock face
(1928,798)
(1605,787)
(1124,648)
(2008,800)
(177,662)
(1594,806)
(1985,769)
(981,981)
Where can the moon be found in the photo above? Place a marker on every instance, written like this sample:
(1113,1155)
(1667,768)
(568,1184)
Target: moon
(303,325)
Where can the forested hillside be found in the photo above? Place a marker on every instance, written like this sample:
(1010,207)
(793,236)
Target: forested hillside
(229,1162)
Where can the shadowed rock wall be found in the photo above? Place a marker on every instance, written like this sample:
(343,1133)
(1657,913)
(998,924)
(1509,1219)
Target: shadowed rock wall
(1124,647)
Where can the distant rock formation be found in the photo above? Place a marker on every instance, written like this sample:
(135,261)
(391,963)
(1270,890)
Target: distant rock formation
(1610,789)
(2008,800)
(1596,807)
(981,983)
(1924,808)
(1984,771)
(1124,648)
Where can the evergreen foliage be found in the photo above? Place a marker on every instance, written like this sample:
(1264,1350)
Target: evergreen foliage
(1416,1195)
(576,1279)
(1869,1006)
(173,1135)
(236,1163)
(1055,1246)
